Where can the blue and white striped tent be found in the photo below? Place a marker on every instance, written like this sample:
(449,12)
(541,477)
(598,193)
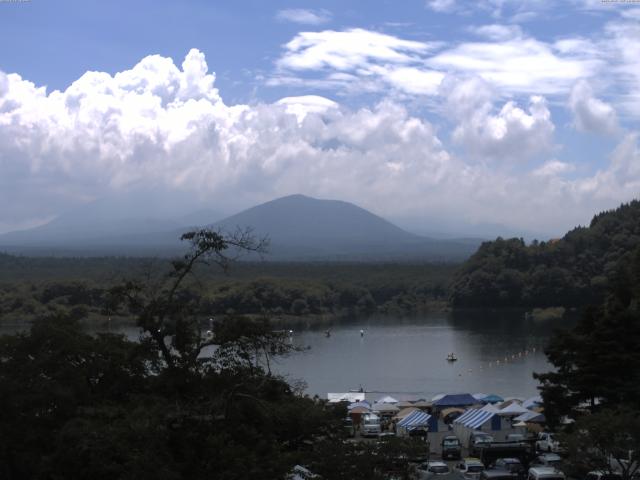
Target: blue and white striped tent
(474,418)
(415,419)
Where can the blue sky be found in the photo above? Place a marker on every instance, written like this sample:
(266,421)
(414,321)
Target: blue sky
(438,114)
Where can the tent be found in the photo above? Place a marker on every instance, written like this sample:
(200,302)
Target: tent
(474,418)
(493,398)
(525,417)
(449,414)
(387,399)
(414,420)
(404,404)
(490,408)
(479,396)
(363,403)
(458,400)
(385,408)
(406,411)
(513,409)
(532,402)
(359,410)
(423,404)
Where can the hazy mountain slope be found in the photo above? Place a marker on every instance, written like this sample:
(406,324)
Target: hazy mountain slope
(301,227)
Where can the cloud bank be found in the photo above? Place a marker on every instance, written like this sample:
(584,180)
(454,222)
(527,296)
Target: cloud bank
(159,125)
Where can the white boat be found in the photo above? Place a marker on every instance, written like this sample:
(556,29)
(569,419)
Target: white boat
(452,357)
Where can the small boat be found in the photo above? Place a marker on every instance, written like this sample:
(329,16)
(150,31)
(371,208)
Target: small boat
(452,357)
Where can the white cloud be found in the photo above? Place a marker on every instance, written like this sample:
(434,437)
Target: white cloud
(441,5)
(553,168)
(304,16)
(513,62)
(497,32)
(160,126)
(520,66)
(510,134)
(591,114)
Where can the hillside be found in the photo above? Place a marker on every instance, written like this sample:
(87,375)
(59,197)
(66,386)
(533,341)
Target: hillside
(300,228)
(305,228)
(573,271)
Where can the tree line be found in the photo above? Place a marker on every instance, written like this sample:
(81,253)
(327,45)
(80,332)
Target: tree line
(574,271)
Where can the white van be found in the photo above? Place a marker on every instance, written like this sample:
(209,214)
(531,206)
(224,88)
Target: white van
(545,473)
(371,425)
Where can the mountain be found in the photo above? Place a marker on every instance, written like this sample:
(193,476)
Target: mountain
(301,227)
(298,227)
(573,271)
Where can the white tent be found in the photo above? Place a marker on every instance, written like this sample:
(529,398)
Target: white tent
(385,407)
(532,402)
(513,410)
(387,399)
(490,408)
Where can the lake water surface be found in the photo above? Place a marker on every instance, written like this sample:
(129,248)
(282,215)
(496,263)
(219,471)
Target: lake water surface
(497,353)
(409,355)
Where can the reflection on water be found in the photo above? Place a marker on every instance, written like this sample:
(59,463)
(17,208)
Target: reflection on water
(497,353)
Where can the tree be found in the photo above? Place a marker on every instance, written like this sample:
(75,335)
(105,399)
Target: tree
(607,441)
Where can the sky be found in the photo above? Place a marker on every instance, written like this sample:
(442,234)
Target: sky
(444,115)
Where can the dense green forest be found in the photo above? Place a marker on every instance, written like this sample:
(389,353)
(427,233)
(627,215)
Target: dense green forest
(573,271)
(32,287)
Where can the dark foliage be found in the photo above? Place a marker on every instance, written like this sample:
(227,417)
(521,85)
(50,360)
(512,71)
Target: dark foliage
(574,271)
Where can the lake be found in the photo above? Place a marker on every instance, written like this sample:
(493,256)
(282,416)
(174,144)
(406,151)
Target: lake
(409,355)
(497,353)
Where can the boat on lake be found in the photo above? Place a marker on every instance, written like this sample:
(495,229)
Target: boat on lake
(452,357)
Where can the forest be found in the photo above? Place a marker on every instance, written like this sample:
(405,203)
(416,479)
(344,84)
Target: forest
(573,271)
(31,287)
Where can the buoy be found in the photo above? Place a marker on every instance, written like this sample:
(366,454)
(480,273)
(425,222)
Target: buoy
(361,333)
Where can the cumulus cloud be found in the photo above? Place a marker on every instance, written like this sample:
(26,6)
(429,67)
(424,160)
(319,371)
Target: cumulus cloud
(166,127)
(510,134)
(591,114)
(304,16)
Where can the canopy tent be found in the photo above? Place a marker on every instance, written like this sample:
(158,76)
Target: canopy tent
(451,412)
(359,410)
(387,399)
(525,417)
(437,397)
(350,397)
(513,409)
(540,418)
(404,404)
(423,404)
(493,398)
(363,403)
(414,420)
(532,402)
(458,400)
(406,411)
(490,408)
(474,417)
(479,396)
(385,407)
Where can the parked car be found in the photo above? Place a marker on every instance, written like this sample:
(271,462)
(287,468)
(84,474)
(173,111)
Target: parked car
(432,469)
(494,474)
(371,425)
(600,475)
(547,460)
(451,447)
(477,440)
(470,468)
(547,442)
(511,465)
(545,473)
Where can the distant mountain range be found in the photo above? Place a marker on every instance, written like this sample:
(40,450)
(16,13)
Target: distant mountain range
(298,227)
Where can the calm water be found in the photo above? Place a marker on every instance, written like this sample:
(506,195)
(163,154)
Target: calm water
(409,355)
